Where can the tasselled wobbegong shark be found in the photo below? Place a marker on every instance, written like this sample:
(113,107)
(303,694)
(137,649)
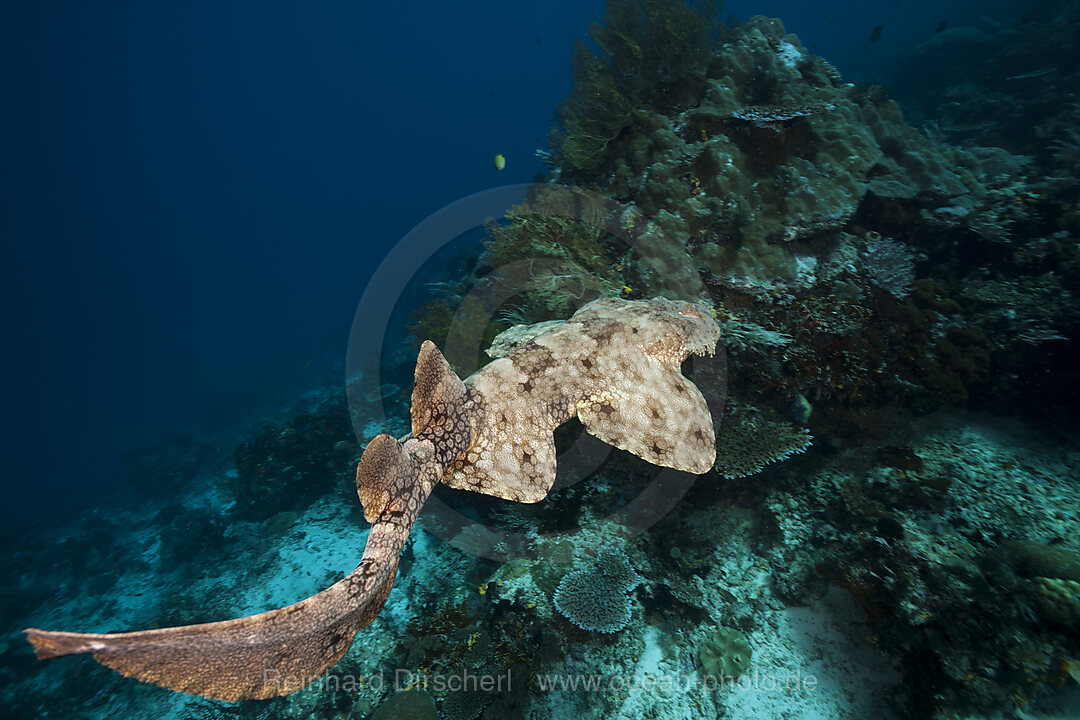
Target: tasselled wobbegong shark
(615,365)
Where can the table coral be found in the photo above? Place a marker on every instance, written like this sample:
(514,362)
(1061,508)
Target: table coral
(596,598)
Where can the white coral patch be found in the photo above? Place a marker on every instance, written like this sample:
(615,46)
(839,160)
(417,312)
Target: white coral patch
(789,54)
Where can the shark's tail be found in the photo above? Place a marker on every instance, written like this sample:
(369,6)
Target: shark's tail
(259,656)
(278,652)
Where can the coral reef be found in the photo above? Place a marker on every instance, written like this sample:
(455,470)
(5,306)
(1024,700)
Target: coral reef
(649,53)
(596,598)
(992,84)
(919,549)
(772,152)
(725,655)
(890,265)
(288,467)
(746,442)
(408,705)
(1058,601)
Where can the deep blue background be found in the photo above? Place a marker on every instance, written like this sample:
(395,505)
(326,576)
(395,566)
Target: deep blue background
(193,195)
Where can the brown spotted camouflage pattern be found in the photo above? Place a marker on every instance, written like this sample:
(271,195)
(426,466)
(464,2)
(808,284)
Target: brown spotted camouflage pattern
(614,364)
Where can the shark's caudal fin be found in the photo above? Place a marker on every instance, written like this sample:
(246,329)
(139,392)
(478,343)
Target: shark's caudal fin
(277,652)
(260,656)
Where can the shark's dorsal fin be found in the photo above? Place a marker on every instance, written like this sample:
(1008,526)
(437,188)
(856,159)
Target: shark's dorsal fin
(437,391)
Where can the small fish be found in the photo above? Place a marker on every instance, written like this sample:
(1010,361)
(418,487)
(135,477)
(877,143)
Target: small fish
(1033,74)
(801,410)
(500,162)
(941,26)
(875,34)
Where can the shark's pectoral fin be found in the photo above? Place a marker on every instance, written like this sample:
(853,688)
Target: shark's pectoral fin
(655,413)
(260,656)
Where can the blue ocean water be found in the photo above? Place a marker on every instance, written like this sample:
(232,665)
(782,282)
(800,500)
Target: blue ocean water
(196,198)
(196,195)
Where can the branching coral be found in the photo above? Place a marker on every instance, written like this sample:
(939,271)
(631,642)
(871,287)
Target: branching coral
(551,253)
(594,114)
(545,258)
(746,335)
(1026,310)
(646,53)
(284,468)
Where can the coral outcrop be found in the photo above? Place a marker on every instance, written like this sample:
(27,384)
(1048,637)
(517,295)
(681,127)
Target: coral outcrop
(772,150)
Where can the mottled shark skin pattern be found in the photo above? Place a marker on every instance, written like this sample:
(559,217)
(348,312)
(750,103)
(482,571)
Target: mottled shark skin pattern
(614,364)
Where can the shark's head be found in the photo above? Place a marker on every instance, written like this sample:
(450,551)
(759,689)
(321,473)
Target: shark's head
(668,330)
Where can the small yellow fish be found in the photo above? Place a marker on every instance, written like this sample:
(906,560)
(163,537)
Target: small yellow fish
(500,162)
